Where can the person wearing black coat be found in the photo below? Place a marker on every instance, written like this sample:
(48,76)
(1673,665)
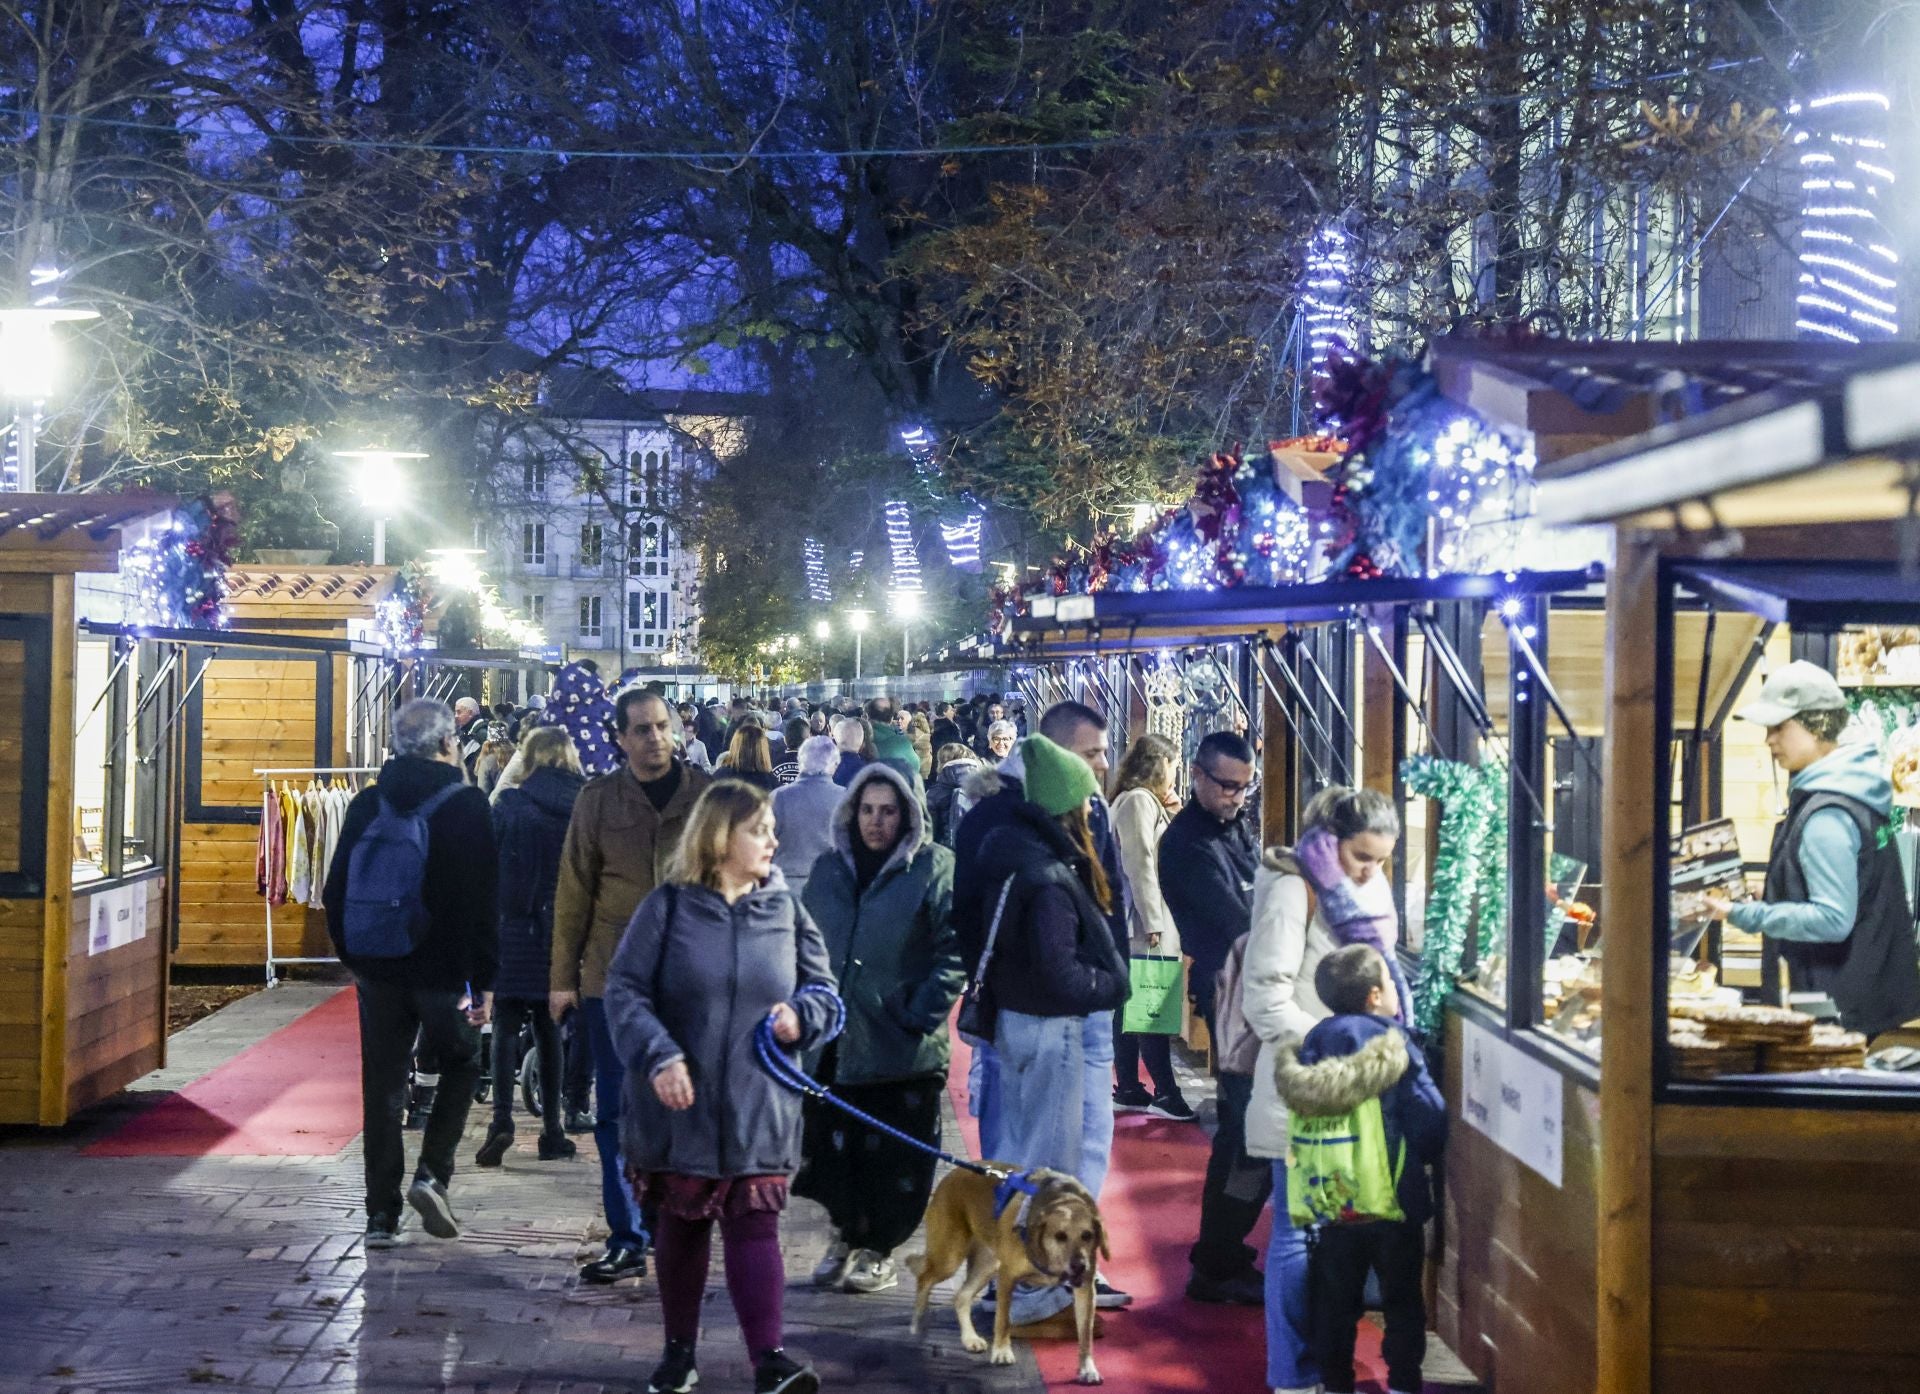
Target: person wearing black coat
(442,991)
(530,828)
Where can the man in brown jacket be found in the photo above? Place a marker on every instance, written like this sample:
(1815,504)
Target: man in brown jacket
(622,836)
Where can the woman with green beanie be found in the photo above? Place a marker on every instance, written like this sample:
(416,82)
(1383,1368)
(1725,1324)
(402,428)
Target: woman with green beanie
(1053,964)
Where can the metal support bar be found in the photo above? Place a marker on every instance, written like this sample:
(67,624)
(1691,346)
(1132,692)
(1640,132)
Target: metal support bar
(1524,650)
(1456,672)
(1300,741)
(1339,707)
(1233,688)
(1334,756)
(1407,693)
(1526,837)
(167,725)
(94,710)
(174,654)
(1755,652)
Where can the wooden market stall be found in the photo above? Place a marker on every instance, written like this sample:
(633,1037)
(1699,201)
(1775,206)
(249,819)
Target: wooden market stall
(86,809)
(1751,1225)
(296,684)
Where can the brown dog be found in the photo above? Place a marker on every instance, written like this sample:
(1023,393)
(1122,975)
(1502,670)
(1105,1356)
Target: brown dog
(1054,1237)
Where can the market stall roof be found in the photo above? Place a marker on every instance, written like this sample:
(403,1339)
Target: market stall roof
(1823,408)
(308,593)
(70,532)
(1145,618)
(1826,595)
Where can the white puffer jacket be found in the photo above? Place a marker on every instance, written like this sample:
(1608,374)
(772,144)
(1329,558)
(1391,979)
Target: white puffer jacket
(1277,982)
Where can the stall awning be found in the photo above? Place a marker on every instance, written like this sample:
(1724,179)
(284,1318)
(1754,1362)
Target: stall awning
(1203,614)
(1816,596)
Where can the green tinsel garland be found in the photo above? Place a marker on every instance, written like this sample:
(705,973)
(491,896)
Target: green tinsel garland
(1468,870)
(1896,708)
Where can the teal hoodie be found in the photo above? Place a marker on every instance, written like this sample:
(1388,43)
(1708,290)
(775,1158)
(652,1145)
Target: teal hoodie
(1829,852)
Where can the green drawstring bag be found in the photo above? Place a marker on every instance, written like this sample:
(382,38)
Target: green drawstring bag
(1159,989)
(1339,1171)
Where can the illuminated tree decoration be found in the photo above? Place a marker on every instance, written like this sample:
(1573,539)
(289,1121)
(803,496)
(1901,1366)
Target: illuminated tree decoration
(962,541)
(1849,272)
(1323,294)
(906,557)
(819,588)
(177,577)
(402,617)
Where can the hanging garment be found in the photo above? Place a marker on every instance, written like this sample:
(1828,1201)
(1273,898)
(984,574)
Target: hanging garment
(313,805)
(300,862)
(270,856)
(289,816)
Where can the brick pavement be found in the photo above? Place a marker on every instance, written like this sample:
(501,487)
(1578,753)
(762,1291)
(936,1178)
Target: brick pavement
(247,1273)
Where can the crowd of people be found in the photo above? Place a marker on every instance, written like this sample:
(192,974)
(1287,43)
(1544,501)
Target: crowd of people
(741,865)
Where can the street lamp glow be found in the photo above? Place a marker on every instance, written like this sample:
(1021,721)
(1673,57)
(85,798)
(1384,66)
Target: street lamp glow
(906,604)
(822,631)
(455,568)
(857,620)
(382,487)
(30,373)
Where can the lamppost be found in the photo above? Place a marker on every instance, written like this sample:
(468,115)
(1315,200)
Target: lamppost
(906,604)
(857,622)
(381,487)
(822,631)
(29,373)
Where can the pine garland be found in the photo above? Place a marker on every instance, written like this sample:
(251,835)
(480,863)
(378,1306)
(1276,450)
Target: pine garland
(1469,871)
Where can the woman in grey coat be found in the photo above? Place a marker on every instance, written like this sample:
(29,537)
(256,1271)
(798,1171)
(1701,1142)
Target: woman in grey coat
(707,1133)
(803,812)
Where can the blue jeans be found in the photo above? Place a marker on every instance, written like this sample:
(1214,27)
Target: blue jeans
(1056,1101)
(983,1099)
(1290,1362)
(625,1229)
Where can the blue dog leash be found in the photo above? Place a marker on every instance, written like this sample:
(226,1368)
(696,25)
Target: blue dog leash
(774,1059)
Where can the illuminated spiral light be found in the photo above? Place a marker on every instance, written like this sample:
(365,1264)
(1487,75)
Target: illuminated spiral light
(819,589)
(963,542)
(1849,272)
(1324,293)
(856,560)
(906,559)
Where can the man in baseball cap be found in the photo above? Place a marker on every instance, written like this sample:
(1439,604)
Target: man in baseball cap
(1835,900)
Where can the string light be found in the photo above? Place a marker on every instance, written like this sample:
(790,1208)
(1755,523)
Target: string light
(1840,213)
(819,588)
(1324,293)
(906,557)
(962,541)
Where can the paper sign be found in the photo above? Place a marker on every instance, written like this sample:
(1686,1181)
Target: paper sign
(117,917)
(1513,1099)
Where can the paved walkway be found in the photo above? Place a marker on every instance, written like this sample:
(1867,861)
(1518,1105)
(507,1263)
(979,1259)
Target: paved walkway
(245,1273)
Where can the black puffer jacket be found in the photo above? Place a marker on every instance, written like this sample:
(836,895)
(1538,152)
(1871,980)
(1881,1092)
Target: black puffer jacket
(530,826)
(1054,955)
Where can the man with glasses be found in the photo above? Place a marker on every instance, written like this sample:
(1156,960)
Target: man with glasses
(1208,857)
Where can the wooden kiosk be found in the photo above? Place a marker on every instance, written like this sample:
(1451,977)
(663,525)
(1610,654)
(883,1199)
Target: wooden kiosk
(295,684)
(86,810)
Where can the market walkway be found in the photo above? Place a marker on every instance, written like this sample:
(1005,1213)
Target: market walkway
(220,1269)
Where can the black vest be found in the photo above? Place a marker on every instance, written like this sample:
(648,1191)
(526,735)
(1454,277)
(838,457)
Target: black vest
(1873,975)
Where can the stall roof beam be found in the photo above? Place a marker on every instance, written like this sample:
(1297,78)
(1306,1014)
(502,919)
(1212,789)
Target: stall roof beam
(1825,596)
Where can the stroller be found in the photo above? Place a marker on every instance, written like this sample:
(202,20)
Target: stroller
(423,1077)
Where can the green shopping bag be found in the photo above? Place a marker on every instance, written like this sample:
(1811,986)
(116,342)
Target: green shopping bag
(1154,1007)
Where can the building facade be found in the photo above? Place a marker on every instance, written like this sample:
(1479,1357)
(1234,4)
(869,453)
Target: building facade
(587,536)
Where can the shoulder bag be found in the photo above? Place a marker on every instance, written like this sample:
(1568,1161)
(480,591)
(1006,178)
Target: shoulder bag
(978,1016)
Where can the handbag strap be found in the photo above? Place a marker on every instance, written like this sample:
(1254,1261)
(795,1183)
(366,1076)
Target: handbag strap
(993,934)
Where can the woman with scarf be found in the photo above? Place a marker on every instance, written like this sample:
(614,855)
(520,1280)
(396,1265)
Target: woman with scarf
(1330,889)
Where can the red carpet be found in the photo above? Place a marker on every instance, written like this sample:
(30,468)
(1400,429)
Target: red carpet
(1163,1344)
(294,1094)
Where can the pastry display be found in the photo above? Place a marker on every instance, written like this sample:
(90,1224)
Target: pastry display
(1829,1048)
(1693,1054)
(1745,1025)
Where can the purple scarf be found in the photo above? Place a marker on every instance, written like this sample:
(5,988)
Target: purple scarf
(1319,856)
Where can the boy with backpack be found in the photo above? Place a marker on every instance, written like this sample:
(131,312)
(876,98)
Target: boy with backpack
(411,908)
(1366,1122)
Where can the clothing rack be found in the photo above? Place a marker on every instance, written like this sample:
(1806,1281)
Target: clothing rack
(266,778)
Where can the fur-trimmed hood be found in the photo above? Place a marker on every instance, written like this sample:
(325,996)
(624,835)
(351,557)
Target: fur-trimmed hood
(847,813)
(984,782)
(1335,1083)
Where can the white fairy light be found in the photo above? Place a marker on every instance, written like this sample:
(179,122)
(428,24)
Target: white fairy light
(906,558)
(1840,220)
(819,588)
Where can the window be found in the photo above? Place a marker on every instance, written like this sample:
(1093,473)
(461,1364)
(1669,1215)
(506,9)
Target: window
(590,545)
(533,474)
(647,546)
(653,479)
(590,617)
(533,543)
(535,608)
(648,621)
(118,770)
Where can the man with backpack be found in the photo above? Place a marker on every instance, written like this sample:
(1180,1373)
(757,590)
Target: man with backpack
(411,906)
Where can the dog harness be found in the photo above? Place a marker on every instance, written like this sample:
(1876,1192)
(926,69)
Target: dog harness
(1018,1183)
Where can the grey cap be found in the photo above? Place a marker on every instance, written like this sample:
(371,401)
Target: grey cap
(1798,687)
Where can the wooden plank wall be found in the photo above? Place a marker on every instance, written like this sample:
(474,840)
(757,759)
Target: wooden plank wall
(116,1004)
(1786,1251)
(13,693)
(256,714)
(22,926)
(1516,1297)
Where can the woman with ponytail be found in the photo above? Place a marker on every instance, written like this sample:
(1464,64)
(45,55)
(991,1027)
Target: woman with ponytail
(1330,889)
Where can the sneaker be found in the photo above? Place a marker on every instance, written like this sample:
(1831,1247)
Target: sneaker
(384,1233)
(872,1272)
(1109,1298)
(1171,1106)
(579,1121)
(1246,1289)
(557,1147)
(494,1149)
(675,1373)
(1131,1098)
(429,1197)
(833,1269)
(1298,1389)
(780,1373)
(615,1265)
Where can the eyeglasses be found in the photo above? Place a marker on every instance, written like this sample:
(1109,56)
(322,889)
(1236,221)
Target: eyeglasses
(1227,786)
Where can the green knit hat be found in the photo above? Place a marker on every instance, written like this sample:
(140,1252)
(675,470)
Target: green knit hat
(891,747)
(1056,779)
